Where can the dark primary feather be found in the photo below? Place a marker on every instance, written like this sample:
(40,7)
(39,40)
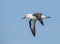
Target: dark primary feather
(32,26)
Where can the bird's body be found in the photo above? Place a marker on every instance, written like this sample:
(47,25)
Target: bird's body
(33,18)
(30,16)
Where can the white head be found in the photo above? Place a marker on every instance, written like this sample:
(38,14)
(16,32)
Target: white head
(43,17)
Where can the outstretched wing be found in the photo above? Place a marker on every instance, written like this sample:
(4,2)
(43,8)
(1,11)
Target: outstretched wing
(32,26)
(39,18)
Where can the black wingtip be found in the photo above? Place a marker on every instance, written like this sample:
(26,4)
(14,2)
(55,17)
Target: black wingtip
(34,35)
(33,32)
(42,24)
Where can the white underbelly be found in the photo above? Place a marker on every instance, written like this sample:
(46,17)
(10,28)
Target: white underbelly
(32,17)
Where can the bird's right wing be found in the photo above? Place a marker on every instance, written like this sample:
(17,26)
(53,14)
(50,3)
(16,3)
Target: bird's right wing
(32,26)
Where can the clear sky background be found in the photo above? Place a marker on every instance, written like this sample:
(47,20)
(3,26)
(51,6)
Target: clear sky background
(14,30)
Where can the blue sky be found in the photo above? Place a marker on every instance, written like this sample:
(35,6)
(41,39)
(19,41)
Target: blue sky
(14,30)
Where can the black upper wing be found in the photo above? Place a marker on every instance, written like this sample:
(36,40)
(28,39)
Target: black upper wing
(38,15)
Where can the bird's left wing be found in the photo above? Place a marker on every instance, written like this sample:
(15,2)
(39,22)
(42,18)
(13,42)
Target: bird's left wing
(32,26)
(40,19)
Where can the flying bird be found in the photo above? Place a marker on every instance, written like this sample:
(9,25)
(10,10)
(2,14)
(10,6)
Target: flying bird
(33,18)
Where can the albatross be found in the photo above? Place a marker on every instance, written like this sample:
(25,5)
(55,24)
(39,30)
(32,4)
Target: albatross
(33,18)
